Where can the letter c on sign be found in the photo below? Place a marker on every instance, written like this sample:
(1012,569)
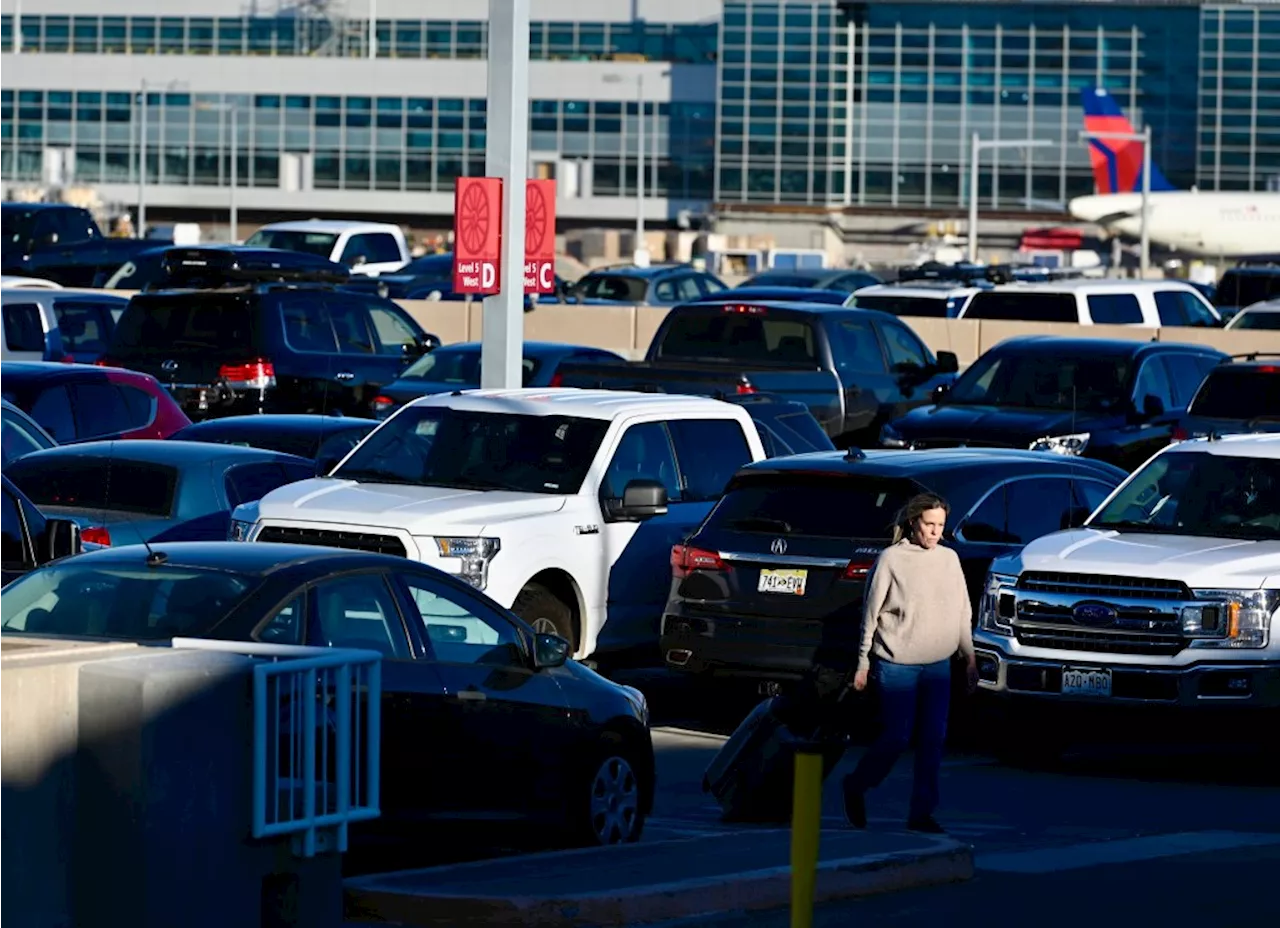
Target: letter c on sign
(487,275)
(545,279)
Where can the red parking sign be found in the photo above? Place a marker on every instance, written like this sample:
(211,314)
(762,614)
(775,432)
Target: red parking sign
(477,235)
(540,236)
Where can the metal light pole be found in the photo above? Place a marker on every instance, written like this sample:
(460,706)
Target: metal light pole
(507,156)
(1145,138)
(975,153)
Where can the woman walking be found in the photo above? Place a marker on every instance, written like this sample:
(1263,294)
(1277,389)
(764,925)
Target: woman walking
(915,618)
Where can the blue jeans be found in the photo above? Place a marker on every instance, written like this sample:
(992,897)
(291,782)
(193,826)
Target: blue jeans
(913,697)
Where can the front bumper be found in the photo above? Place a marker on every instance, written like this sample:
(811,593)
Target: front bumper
(1254,684)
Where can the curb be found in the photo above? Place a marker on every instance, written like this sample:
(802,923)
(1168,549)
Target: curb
(948,861)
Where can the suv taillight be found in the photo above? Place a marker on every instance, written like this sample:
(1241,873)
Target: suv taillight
(249,375)
(557,380)
(685,559)
(382,403)
(858,568)
(96,535)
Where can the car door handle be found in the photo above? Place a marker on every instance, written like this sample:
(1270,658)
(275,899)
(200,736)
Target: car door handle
(471,694)
(344,375)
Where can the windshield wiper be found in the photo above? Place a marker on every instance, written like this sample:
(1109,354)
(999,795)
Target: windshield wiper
(776,525)
(469,484)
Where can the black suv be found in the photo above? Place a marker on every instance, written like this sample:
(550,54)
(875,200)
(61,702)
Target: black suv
(1110,399)
(272,336)
(1242,395)
(771,584)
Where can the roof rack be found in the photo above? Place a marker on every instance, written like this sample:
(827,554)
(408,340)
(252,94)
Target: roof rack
(966,274)
(217,268)
(1254,355)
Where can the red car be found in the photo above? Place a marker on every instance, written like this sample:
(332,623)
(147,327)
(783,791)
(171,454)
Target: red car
(82,402)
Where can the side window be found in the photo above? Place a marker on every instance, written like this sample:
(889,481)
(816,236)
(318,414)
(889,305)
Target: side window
(1038,506)
(247,483)
(989,521)
(1115,309)
(351,325)
(22,328)
(644,453)
(83,325)
(462,630)
(306,326)
(140,404)
(710,285)
(359,251)
(1197,312)
(360,612)
(903,347)
(710,451)
(52,409)
(664,292)
(14,554)
(392,331)
(381,248)
(1186,373)
(856,348)
(687,288)
(1170,307)
(99,410)
(286,625)
(1090,494)
(1153,380)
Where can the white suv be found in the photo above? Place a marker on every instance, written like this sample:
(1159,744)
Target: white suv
(1169,594)
(941,299)
(368,248)
(1149,303)
(563,505)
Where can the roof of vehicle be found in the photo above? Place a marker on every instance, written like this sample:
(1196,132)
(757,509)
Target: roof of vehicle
(570,401)
(337,226)
(274,422)
(163,451)
(813,273)
(61,294)
(631,270)
(1236,446)
(529,347)
(1093,285)
(782,294)
(240,557)
(1113,347)
(953,461)
(927,289)
(794,306)
(18,282)
(35,371)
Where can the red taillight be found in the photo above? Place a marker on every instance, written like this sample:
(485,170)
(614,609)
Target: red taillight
(1180,434)
(96,535)
(685,559)
(750,310)
(859,568)
(1268,369)
(382,403)
(249,375)
(746,387)
(68,359)
(106,361)
(557,380)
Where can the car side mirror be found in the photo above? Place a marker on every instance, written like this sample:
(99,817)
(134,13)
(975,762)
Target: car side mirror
(62,538)
(1152,406)
(359,260)
(941,392)
(642,499)
(948,362)
(549,651)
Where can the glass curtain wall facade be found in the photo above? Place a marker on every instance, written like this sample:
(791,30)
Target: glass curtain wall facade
(875,104)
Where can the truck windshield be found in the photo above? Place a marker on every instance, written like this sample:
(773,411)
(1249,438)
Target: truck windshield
(726,335)
(1199,493)
(1043,381)
(1239,393)
(312,243)
(439,447)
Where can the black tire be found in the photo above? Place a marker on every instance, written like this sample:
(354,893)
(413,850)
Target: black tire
(546,612)
(607,807)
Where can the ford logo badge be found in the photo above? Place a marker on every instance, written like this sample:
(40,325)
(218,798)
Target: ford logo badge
(1094,615)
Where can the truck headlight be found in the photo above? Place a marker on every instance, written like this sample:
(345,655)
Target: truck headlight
(243,519)
(892,438)
(475,554)
(996,612)
(239,530)
(1230,618)
(1073,444)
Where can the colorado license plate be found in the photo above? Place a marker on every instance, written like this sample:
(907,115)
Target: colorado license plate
(782,581)
(1077,682)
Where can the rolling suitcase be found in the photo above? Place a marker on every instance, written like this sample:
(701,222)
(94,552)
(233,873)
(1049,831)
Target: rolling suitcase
(753,775)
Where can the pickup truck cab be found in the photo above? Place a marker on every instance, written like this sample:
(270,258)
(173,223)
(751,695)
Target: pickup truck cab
(368,248)
(1169,595)
(855,369)
(62,243)
(562,505)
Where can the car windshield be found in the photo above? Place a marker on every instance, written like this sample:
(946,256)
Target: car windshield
(457,368)
(1258,319)
(1246,288)
(904,305)
(1244,393)
(1199,493)
(826,505)
(1043,381)
(79,597)
(442,447)
(312,243)
(725,335)
(618,287)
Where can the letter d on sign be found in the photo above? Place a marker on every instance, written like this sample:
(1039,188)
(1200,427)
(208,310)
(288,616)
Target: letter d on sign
(488,275)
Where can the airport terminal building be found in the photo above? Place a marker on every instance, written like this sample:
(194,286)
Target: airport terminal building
(782,103)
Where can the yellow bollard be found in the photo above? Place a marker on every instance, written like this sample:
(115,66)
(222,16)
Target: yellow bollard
(806,824)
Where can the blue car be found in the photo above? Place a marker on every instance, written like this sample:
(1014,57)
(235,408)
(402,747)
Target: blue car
(318,438)
(657,285)
(128,492)
(457,367)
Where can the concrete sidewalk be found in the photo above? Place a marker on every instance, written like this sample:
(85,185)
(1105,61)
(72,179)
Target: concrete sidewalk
(645,883)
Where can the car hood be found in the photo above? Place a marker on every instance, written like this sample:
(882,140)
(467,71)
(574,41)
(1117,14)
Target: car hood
(1200,562)
(1010,424)
(418,510)
(600,697)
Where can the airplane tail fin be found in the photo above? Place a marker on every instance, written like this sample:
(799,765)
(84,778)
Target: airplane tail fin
(1117,163)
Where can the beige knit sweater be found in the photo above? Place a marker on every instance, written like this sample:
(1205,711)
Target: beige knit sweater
(917,608)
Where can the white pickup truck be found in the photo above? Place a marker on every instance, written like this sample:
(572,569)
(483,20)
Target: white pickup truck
(560,504)
(1169,594)
(368,248)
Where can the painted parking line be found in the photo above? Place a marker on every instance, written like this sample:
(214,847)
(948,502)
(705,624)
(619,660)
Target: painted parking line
(1124,851)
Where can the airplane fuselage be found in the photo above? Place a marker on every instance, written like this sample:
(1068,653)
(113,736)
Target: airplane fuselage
(1220,224)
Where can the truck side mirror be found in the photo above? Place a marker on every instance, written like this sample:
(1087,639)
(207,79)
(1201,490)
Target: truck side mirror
(642,499)
(1152,406)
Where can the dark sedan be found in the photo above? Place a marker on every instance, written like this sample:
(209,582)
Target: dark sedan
(323,439)
(457,367)
(778,294)
(770,585)
(483,722)
(156,491)
(1114,400)
(30,538)
(841,280)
